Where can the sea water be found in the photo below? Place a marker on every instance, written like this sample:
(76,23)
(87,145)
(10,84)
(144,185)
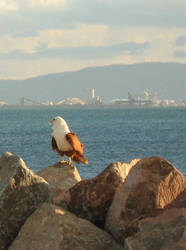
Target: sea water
(109,135)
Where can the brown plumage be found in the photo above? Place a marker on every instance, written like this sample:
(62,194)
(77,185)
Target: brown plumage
(67,143)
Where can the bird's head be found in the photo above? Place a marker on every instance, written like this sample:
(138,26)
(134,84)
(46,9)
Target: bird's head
(56,120)
(59,122)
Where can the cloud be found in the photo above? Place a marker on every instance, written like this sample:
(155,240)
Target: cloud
(10,43)
(79,33)
(92,52)
(89,52)
(82,35)
(167,13)
(88,45)
(180,53)
(8,6)
(181,41)
(33,16)
(46,3)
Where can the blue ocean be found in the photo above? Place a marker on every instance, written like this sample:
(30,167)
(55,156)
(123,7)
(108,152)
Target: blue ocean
(109,135)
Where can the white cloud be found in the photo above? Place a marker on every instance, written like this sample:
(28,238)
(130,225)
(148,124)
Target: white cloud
(24,69)
(46,3)
(9,43)
(82,35)
(161,41)
(12,5)
(68,26)
(7,6)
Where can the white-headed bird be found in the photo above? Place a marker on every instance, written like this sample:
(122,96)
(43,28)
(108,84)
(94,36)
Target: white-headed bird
(65,142)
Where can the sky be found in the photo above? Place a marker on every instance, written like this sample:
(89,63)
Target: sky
(40,37)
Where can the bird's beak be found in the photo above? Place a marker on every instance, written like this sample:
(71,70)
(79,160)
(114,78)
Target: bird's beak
(51,122)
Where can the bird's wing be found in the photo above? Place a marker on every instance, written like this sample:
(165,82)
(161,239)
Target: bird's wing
(54,144)
(75,142)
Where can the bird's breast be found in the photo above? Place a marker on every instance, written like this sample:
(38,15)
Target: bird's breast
(62,143)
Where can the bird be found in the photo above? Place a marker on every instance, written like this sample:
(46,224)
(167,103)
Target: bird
(66,143)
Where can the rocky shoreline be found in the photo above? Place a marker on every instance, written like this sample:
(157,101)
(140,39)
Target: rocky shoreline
(136,205)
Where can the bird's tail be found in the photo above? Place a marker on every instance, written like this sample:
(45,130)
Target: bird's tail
(80,159)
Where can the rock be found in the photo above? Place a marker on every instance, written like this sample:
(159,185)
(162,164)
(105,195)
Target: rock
(21,192)
(179,202)
(90,199)
(53,228)
(60,178)
(152,184)
(166,231)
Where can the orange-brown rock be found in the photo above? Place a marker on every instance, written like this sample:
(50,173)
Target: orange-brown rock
(60,178)
(164,232)
(53,228)
(90,199)
(152,184)
(21,192)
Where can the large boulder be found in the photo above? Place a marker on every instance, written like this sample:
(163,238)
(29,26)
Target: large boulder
(166,231)
(152,184)
(53,228)
(90,199)
(179,202)
(21,192)
(60,178)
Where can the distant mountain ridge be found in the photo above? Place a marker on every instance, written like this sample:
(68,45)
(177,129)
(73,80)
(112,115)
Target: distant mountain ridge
(110,82)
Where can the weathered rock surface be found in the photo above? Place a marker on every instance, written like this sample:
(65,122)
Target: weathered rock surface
(53,228)
(21,192)
(164,232)
(152,184)
(179,202)
(60,178)
(90,199)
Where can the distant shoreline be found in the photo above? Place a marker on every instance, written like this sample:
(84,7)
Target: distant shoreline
(90,107)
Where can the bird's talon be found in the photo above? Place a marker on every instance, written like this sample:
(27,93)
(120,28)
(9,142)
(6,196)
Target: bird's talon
(70,162)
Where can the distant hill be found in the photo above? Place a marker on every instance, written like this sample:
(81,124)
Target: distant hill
(110,82)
